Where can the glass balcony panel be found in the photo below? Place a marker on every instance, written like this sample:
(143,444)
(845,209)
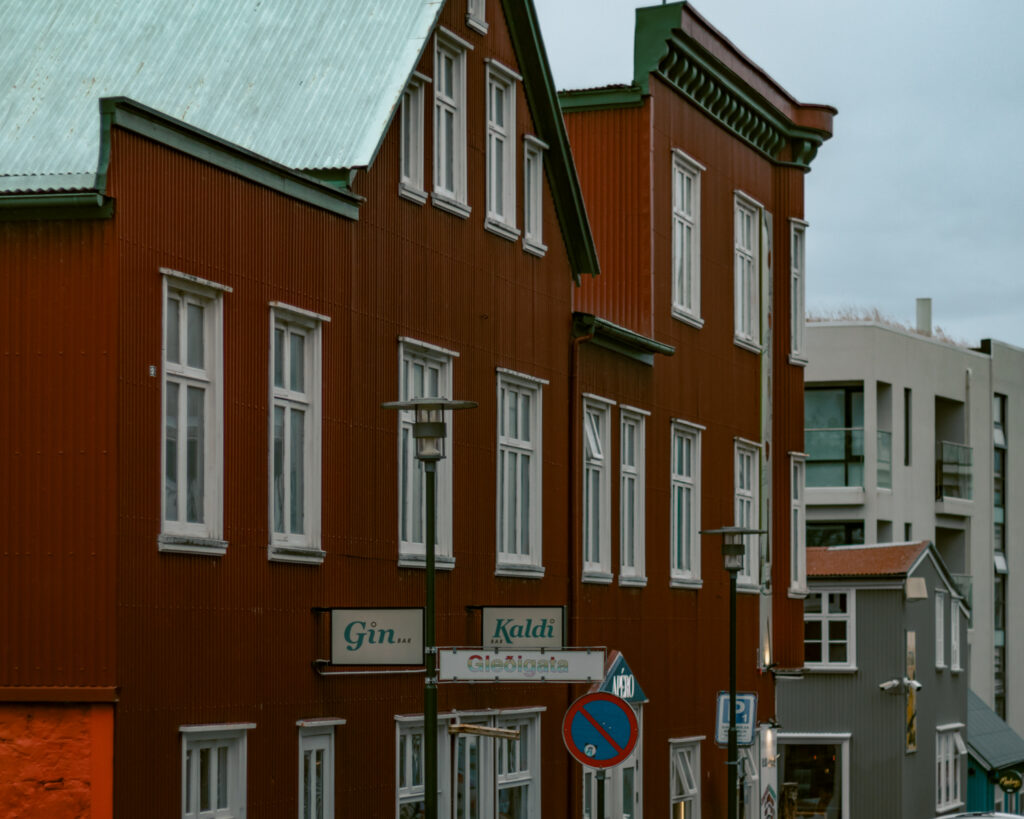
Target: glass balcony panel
(953,470)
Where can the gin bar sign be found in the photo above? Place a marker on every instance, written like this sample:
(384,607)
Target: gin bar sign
(523,627)
(376,636)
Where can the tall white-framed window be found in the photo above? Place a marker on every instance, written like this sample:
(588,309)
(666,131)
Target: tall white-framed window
(686,174)
(409,768)
(950,751)
(684,778)
(213,770)
(940,628)
(519,489)
(517,767)
(596,489)
(450,191)
(747,252)
(193,415)
(425,371)
(533,195)
(685,504)
(296,431)
(316,768)
(476,15)
(632,495)
(501,151)
(798,523)
(954,634)
(411,182)
(830,629)
(797,289)
(748,507)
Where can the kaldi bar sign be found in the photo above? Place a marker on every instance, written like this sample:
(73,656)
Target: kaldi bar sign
(481,665)
(523,627)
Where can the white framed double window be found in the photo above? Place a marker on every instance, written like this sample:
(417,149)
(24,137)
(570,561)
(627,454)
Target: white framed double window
(797,289)
(684,778)
(596,489)
(940,628)
(533,195)
(797,523)
(632,495)
(450,190)
(748,241)
(411,182)
(950,751)
(686,173)
(685,505)
(296,431)
(830,629)
(748,507)
(501,149)
(316,768)
(518,518)
(954,634)
(425,371)
(193,415)
(213,770)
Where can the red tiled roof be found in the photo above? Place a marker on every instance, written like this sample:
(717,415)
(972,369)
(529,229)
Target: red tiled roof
(883,560)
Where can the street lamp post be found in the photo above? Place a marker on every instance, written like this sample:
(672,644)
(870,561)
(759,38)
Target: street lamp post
(429,432)
(733,554)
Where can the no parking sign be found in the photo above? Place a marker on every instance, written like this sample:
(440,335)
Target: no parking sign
(600,730)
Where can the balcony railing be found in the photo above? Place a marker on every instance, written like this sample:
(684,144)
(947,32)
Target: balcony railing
(835,456)
(884,459)
(953,470)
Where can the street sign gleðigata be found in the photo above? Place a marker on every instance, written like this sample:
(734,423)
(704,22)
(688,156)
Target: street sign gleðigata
(600,730)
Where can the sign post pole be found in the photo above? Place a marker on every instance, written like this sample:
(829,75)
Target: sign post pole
(732,697)
(430,656)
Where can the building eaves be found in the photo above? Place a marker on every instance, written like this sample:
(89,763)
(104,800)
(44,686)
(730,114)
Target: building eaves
(991,741)
(621,340)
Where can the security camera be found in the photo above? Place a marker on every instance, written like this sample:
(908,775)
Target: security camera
(912,684)
(889,685)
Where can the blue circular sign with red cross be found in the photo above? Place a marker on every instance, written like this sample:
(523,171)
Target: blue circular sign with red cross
(600,730)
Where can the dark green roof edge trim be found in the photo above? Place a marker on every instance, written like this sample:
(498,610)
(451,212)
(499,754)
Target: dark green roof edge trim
(140,119)
(664,50)
(539,85)
(611,336)
(593,99)
(21,207)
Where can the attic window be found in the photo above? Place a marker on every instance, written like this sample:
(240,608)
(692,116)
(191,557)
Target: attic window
(476,15)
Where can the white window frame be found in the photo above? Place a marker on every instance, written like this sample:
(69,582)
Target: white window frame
(797,291)
(501,164)
(596,466)
(955,663)
(411,552)
(940,628)
(197,738)
(533,195)
(748,252)
(632,488)
(411,178)
(304,547)
(826,617)
(685,772)
(476,15)
(747,507)
(511,558)
(950,751)
(314,735)
(179,535)
(686,255)
(681,576)
(798,524)
(454,198)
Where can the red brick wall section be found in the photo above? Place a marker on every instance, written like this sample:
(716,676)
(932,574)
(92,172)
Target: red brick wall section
(56,761)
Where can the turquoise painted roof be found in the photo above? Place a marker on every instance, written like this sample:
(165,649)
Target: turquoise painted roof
(991,741)
(308,84)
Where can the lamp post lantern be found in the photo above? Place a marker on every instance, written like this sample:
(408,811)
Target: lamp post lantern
(733,556)
(429,431)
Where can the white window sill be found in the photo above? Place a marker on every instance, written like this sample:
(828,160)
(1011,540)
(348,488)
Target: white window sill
(444,202)
(747,587)
(692,583)
(637,581)
(189,545)
(955,670)
(518,570)
(687,318)
(441,562)
(830,669)
(281,553)
(797,361)
(597,576)
(534,248)
(797,594)
(412,193)
(475,23)
(747,344)
(949,807)
(502,229)
(940,667)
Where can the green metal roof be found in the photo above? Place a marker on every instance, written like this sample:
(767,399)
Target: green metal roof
(307,84)
(991,741)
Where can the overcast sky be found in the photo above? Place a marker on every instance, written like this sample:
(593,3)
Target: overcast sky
(920,192)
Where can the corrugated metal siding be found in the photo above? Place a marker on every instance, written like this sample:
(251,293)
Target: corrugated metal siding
(58,450)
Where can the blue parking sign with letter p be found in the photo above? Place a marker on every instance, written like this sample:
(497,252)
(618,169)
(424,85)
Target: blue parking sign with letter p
(746,718)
